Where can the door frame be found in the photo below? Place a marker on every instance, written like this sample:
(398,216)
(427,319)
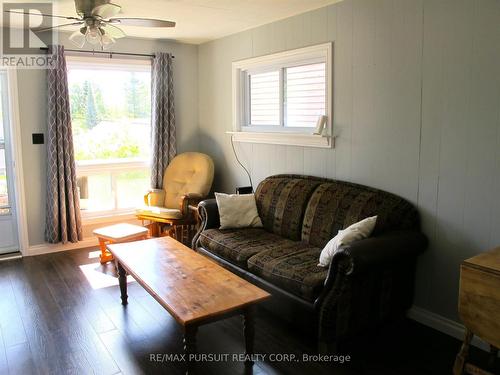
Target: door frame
(17,178)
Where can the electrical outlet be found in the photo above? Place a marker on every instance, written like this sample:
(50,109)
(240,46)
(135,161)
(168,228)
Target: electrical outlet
(244,190)
(37,138)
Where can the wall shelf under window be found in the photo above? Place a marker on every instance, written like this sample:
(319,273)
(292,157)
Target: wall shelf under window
(288,138)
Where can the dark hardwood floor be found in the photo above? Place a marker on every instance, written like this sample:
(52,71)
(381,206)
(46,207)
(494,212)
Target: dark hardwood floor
(61,314)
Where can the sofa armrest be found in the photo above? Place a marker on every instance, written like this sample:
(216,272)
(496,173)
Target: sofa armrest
(368,282)
(154,197)
(209,215)
(387,249)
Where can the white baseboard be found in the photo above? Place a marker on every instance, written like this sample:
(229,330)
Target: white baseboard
(47,248)
(444,325)
(88,225)
(11,256)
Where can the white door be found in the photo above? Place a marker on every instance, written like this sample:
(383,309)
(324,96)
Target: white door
(9,241)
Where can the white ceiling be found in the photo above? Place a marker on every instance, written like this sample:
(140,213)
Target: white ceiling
(199,21)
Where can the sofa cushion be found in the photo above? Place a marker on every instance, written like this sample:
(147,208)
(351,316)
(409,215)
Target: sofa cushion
(337,205)
(237,211)
(293,266)
(281,202)
(237,245)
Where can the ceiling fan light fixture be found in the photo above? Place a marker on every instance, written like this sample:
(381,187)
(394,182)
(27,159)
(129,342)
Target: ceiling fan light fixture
(94,36)
(78,38)
(107,41)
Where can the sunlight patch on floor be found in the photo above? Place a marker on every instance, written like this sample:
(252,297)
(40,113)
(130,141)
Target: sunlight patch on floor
(94,254)
(101,275)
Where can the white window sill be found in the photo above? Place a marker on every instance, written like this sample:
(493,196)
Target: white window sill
(89,218)
(288,139)
(88,167)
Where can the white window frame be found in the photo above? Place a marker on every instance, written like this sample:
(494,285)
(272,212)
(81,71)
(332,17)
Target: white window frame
(113,167)
(6,210)
(16,160)
(279,134)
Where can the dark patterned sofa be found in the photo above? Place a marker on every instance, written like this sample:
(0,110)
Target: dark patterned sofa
(367,284)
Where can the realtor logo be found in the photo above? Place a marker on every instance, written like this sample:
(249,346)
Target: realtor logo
(20,21)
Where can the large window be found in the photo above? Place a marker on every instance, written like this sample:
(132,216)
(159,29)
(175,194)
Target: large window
(111,115)
(286,92)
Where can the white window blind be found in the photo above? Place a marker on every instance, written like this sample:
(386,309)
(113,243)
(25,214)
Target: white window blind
(302,102)
(265,98)
(305,95)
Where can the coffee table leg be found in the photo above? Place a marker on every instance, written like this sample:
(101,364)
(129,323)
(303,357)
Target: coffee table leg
(190,346)
(122,279)
(249,330)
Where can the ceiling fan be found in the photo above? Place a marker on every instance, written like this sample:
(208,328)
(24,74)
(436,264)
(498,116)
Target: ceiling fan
(98,25)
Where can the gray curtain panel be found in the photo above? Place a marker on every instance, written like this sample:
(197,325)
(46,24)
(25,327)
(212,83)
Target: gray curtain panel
(63,222)
(162,117)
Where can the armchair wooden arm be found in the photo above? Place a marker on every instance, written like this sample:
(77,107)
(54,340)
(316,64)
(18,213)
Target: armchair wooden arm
(154,197)
(189,199)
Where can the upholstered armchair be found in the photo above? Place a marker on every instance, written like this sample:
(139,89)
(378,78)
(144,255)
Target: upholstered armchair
(187,180)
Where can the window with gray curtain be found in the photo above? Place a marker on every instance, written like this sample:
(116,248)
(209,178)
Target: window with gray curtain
(63,222)
(162,116)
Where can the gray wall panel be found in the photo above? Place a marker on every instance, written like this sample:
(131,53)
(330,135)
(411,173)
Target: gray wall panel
(416,111)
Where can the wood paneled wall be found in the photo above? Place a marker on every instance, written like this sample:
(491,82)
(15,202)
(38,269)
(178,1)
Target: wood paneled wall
(416,112)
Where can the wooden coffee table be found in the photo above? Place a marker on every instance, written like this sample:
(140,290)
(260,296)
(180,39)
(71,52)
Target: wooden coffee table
(192,288)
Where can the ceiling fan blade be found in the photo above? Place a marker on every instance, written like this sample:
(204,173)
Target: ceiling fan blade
(53,27)
(106,10)
(43,15)
(143,22)
(113,31)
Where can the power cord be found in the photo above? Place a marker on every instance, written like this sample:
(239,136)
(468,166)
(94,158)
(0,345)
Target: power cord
(240,163)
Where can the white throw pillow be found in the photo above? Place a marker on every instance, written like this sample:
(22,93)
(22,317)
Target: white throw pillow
(358,231)
(237,211)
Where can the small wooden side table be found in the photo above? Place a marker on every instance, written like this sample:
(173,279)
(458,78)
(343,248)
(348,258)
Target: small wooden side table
(479,307)
(118,233)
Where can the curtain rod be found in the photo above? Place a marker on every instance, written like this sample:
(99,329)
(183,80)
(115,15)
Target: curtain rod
(105,53)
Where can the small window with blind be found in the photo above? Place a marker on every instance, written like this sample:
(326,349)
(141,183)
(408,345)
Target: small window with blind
(288,92)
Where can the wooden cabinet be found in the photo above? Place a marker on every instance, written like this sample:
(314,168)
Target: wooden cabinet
(479,306)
